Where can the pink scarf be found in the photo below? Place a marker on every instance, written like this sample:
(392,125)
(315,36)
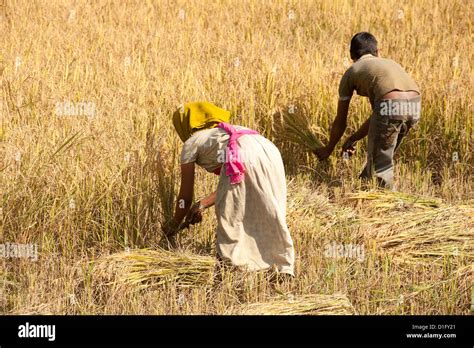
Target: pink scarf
(234,167)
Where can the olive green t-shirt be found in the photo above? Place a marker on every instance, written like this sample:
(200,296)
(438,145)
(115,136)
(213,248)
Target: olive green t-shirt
(373,77)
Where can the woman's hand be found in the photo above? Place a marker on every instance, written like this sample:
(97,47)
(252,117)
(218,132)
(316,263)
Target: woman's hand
(170,228)
(194,215)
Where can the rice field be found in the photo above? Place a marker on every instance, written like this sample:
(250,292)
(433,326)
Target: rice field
(89,158)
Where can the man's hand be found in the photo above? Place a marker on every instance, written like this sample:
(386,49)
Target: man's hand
(348,147)
(323,152)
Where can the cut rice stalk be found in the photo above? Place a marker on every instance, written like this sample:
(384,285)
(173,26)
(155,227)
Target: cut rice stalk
(393,199)
(336,304)
(415,229)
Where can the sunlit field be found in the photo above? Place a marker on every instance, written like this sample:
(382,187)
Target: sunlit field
(89,159)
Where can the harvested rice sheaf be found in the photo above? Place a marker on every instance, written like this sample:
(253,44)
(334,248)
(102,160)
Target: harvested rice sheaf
(393,199)
(336,304)
(146,268)
(418,229)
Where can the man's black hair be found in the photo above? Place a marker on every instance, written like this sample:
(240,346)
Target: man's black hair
(363,43)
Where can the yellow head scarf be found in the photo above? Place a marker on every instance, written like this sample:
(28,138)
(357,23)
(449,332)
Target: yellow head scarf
(198,115)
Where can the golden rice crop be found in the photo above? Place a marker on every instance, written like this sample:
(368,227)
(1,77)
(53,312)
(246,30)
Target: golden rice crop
(137,69)
(145,268)
(163,161)
(294,126)
(336,304)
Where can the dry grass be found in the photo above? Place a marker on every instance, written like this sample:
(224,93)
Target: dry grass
(82,187)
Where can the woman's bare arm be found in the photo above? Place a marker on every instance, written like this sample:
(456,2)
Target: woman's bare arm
(186,192)
(209,201)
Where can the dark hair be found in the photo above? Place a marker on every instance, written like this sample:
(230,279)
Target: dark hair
(363,43)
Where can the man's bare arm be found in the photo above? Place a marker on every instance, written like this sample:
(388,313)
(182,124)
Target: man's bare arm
(361,132)
(339,125)
(337,130)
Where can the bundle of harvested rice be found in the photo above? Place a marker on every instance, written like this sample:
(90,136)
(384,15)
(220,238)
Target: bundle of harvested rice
(424,230)
(336,304)
(295,127)
(393,199)
(146,268)
(427,235)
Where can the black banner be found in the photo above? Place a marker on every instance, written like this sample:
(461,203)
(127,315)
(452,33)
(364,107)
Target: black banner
(347,331)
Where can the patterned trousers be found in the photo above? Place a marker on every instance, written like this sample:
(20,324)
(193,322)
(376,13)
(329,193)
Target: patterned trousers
(390,122)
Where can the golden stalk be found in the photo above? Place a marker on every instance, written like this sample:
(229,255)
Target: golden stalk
(295,127)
